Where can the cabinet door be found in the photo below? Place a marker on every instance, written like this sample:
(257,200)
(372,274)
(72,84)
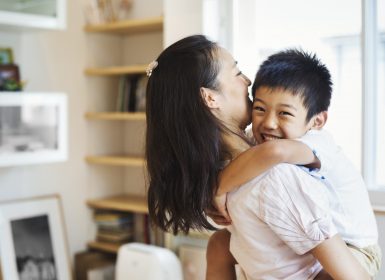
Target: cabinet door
(33,13)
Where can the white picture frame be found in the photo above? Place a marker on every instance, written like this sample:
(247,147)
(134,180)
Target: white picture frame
(33,243)
(33,128)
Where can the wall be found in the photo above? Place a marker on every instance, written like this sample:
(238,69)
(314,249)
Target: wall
(54,61)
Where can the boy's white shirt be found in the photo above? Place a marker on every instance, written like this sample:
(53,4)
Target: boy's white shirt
(279,216)
(351,210)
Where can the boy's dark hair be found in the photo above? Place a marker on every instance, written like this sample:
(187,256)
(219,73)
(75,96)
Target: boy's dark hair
(301,73)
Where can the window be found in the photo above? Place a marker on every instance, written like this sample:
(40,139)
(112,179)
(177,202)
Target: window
(332,30)
(380,110)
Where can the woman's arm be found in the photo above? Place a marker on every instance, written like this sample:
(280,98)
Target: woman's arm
(337,260)
(260,158)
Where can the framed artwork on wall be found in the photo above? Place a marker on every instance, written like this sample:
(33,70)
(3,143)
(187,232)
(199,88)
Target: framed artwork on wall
(33,242)
(33,128)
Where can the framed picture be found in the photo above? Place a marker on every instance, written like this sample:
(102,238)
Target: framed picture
(9,77)
(33,242)
(6,56)
(33,128)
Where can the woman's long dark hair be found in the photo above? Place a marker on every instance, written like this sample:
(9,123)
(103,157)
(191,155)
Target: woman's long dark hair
(184,146)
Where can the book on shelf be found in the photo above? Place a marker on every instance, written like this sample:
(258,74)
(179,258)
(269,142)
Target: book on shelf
(122,227)
(115,236)
(113,226)
(131,93)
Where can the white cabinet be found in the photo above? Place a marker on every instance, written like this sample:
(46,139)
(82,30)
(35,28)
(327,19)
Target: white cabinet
(47,14)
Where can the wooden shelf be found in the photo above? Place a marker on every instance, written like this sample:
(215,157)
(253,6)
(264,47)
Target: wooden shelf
(104,246)
(116,116)
(116,160)
(128,26)
(116,70)
(124,202)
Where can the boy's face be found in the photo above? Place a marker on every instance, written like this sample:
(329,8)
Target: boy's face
(278,114)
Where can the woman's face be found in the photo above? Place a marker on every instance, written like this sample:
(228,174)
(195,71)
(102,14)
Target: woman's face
(234,103)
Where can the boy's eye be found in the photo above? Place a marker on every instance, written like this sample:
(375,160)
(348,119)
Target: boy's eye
(239,73)
(283,113)
(259,109)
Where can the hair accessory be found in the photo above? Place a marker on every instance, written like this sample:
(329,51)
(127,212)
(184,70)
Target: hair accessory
(151,67)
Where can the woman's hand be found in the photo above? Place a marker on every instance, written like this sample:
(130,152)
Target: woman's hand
(220,205)
(219,212)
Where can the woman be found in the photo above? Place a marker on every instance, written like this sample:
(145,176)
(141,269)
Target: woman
(197,110)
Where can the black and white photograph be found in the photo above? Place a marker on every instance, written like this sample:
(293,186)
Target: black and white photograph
(32,132)
(31,128)
(33,248)
(33,242)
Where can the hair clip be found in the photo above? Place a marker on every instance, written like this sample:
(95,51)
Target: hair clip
(151,67)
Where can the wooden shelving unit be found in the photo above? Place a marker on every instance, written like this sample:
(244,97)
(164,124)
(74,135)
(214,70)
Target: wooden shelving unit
(116,116)
(124,202)
(116,70)
(104,246)
(116,160)
(128,26)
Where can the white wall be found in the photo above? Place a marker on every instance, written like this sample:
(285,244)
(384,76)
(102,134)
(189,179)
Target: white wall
(54,61)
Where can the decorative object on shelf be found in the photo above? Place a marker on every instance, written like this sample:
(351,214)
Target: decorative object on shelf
(123,9)
(33,240)
(6,56)
(33,128)
(10,78)
(9,72)
(102,11)
(107,10)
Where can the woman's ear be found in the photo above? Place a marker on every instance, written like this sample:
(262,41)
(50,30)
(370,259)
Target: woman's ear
(210,97)
(319,120)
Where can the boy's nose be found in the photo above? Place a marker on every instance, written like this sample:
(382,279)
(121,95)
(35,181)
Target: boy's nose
(270,122)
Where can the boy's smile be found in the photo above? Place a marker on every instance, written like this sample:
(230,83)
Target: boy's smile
(278,114)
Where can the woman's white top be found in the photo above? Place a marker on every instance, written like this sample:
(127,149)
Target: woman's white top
(350,206)
(277,218)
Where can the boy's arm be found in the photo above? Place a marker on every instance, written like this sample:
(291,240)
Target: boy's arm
(261,158)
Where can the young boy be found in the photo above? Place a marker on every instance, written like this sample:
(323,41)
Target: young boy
(292,92)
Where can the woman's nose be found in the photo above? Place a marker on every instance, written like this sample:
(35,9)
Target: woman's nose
(247,80)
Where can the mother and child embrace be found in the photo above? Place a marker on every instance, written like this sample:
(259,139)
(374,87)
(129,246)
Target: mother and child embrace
(293,205)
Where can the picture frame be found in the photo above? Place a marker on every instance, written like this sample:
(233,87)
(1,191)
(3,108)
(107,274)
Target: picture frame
(33,241)
(33,128)
(9,77)
(6,56)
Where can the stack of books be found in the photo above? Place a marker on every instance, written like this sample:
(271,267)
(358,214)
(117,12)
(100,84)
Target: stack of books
(114,227)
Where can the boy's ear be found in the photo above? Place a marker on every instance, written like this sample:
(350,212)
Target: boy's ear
(319,120)
(210,97)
